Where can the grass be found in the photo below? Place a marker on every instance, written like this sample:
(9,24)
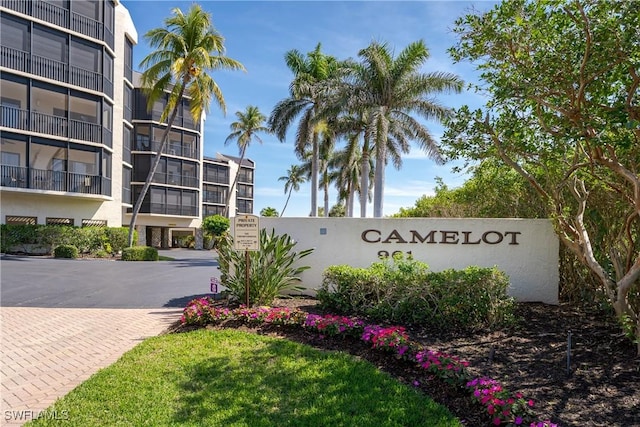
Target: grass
(234,378)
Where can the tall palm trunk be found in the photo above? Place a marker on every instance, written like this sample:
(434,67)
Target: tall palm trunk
(364,177)
(364,183)
(350,198)
(315,154)
(381,162)
(378,183)
(325,188)
(287,202)
(235,181)
(154,166)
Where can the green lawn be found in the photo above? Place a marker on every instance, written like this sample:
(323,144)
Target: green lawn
(232,378)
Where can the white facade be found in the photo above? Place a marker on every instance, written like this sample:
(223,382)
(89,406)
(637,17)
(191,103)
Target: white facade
(525,249)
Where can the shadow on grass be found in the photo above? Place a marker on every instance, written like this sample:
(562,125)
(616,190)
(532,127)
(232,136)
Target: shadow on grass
(279,382)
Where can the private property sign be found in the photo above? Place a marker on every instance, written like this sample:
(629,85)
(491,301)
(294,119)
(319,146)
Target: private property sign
(527,250)
(246,233)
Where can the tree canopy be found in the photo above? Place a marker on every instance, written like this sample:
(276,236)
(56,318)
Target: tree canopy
(562,82)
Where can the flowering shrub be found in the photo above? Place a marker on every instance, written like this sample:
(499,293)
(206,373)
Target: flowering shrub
(502,406)
(331,325)
(197,312)
(446,367)
(285,316)
(393,338)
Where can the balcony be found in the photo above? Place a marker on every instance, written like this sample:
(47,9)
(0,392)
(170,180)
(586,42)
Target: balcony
(175,180)
(34,121)
(49,180)
(166,209)
(59,71)
(61,17)
(172,150)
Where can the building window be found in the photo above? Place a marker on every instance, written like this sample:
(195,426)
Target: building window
(216,173)
(245,191)
(60,221)
(128,59)
(14,33)
(94,222)
(245,206)
(126,185)
(51,47)
(20,220)
(143,140)
(245,175)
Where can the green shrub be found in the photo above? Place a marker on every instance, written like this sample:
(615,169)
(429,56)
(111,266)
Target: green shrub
(102,254)
(118,238)
(86,239)
(140,253)
(405,291)
(214,227)
(65,251)
(271,269)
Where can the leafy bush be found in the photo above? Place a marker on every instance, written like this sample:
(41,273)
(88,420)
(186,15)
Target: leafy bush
(140,253)
(65,251)
(405,291)
(118,237)
(87,239)
(271,269)
(215,226)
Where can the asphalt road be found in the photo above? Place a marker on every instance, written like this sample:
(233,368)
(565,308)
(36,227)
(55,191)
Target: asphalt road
(61,283)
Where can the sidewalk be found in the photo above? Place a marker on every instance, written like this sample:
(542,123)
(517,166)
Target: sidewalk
(47,352)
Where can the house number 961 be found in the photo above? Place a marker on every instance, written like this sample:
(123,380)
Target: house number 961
(385,254)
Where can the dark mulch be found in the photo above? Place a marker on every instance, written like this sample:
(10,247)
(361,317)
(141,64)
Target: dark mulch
(601,387)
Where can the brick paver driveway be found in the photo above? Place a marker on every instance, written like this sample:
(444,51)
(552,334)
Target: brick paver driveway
(62,320)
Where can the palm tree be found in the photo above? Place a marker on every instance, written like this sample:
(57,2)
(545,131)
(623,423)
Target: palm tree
(389,90)
(295,176)
(187,49)
(312,79)
(243,131)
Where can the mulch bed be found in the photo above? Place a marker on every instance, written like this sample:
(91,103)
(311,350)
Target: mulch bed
(600,388)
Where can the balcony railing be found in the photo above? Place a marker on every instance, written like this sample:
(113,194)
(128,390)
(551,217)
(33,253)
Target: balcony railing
(16,118)
(14,176)
(188,152)
(50,125)
(18,5)
(209,197)
(49,68)
(61,17)
(51,13)
(167,209)
(85,131)
(15,59)
(174,179)
(86,26)
(54,70)
(40,179)
(85,78)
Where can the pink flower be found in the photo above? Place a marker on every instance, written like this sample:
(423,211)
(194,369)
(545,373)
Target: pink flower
(497,421)
(530,403)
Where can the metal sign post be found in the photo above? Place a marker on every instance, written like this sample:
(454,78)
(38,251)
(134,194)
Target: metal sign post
(246,236)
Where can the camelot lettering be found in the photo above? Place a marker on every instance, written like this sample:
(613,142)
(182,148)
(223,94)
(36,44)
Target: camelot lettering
(445,237)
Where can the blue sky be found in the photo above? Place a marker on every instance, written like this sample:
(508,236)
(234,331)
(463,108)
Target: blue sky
(259,33)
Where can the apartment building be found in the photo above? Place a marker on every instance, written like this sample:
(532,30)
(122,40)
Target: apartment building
(173,200)
(218,176)
(64,66)
(77,138)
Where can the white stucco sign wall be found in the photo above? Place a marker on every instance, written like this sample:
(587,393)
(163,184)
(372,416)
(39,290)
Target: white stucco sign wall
(527,250)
